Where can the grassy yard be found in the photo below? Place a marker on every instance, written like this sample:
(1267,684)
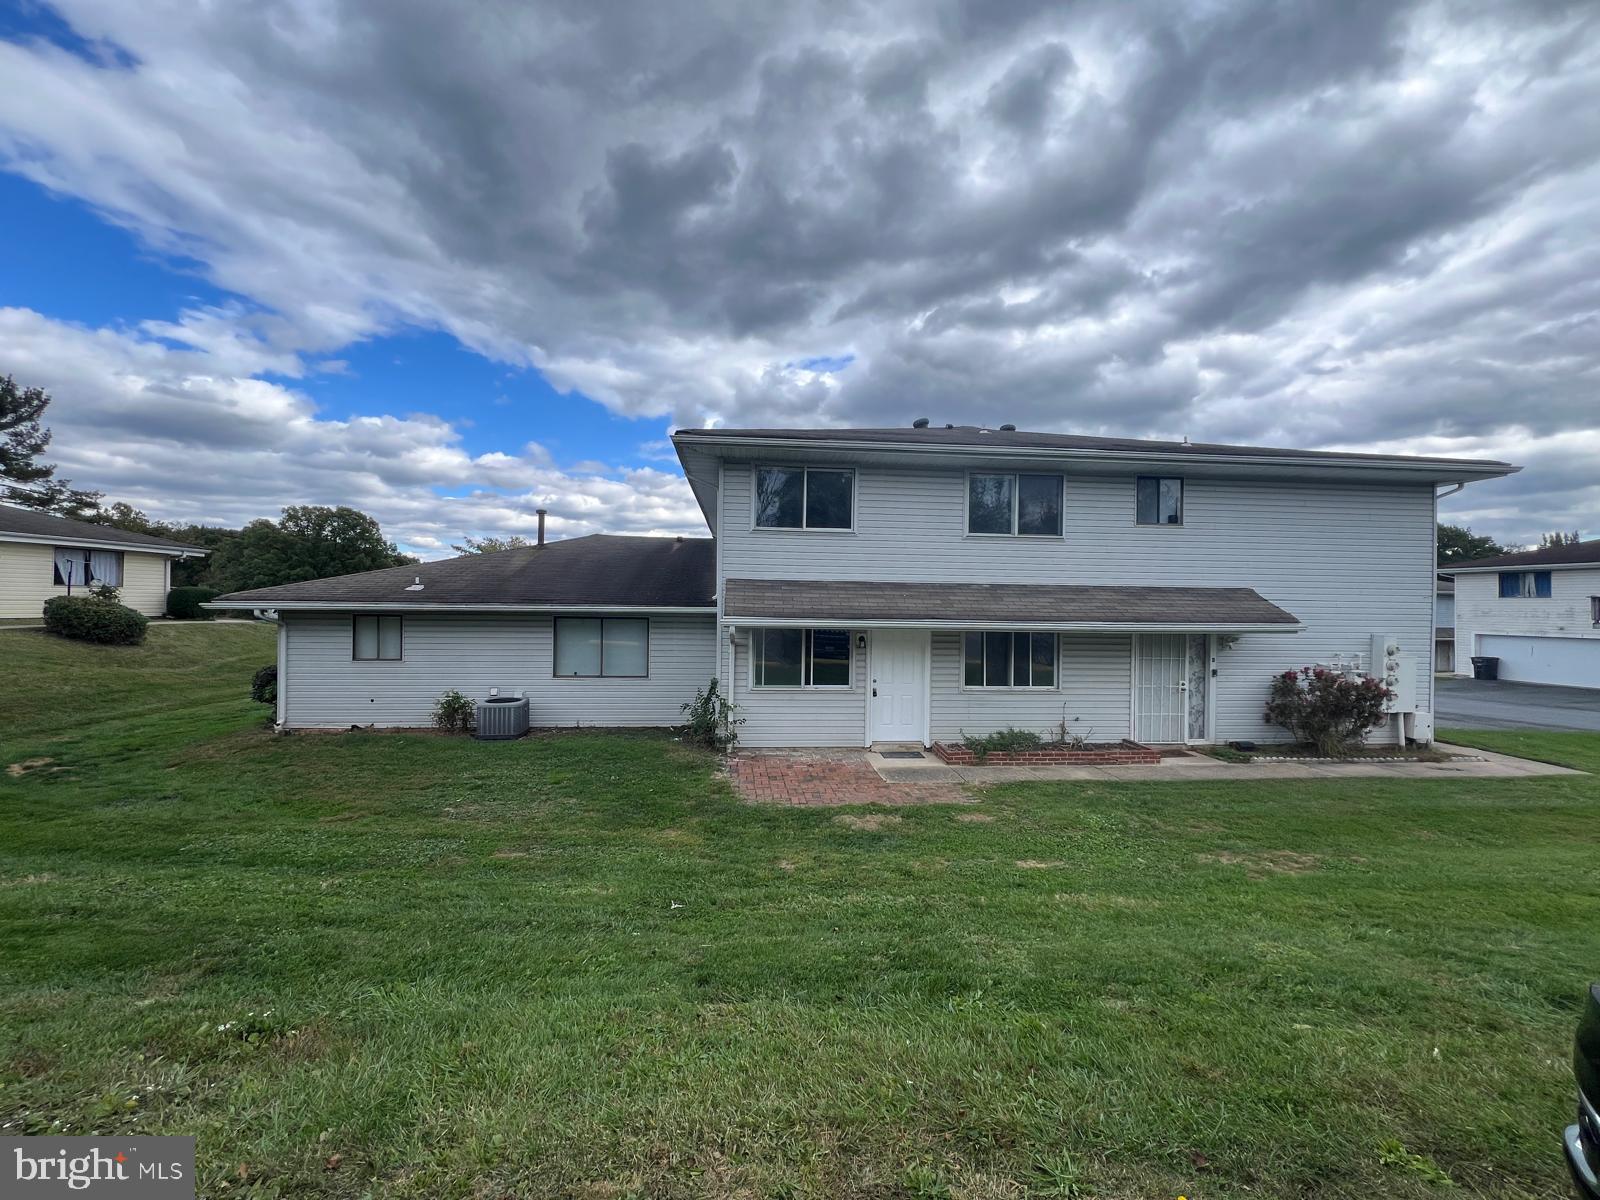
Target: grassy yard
(386,965)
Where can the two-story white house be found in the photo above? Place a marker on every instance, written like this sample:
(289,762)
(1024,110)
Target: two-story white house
(1537,611)
(909,585)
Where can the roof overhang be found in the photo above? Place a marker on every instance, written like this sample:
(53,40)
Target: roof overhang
(1532,566)
(867,604)
(98,544)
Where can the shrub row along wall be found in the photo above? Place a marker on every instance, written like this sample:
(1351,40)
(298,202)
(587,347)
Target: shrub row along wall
(1123,753)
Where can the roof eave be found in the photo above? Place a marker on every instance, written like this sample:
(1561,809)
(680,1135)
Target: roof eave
(36,539)
(1424,469)
(1521,566)
(415,606)
(1040,626)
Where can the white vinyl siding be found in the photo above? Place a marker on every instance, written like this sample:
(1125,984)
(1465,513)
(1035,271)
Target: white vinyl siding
(829,716)
(1092,696)
(1567,613)
(1349,560)
(324,687)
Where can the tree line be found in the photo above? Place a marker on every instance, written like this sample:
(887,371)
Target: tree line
(309,541)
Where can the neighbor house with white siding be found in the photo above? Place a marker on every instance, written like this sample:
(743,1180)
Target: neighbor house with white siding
(43,555)
(868,586)
(1537,611)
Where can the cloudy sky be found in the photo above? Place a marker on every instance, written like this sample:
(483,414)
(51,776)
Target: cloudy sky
(451,263)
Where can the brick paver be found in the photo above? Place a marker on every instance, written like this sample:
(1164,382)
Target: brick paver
(827,778)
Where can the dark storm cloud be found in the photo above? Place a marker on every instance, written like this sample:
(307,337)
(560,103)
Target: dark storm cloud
(1300,223)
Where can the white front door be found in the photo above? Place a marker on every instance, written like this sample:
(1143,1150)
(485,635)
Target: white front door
(1171,687)
(898,679)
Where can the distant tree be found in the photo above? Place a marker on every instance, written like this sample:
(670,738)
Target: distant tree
(1558,538)
(1457,543)
(488,545)
(122,515)
(24,479)
(308,542)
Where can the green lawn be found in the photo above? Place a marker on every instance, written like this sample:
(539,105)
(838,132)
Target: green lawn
(386,965)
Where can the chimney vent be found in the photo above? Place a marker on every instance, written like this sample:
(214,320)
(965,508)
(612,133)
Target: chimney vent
(920,423)
(541,513)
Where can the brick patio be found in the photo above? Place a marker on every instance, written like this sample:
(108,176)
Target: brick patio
(828,778)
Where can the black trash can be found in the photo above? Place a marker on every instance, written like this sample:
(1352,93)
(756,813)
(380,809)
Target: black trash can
(1485,666)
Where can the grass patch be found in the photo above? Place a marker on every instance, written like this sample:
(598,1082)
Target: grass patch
(1580,751)
(574,965)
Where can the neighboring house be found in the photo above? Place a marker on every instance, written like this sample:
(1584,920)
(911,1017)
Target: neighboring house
(42,555)
(904,585)
(1537,611)
(1444,625)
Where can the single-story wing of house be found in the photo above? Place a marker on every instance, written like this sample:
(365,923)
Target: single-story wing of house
(913,585)
(43,555)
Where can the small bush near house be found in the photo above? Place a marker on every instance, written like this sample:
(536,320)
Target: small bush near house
(264,685)
(183,603)
(1325,709)
(1002,741)
(711,721)
(90,619)
(453,712)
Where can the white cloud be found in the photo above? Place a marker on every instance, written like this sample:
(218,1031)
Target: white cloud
(1316,225)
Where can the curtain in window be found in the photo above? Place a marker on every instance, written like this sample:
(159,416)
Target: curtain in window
(105,566)
(69,567)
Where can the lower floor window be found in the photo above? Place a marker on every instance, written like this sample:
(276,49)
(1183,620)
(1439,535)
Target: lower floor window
(376,638)
(800,658)
(1008,660)
(79,568)
(615,647)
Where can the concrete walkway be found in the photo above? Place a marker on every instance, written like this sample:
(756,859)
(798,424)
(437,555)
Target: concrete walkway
(1201,768)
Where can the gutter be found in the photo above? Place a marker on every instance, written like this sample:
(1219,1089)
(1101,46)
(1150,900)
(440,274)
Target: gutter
(93,544)
(282,606)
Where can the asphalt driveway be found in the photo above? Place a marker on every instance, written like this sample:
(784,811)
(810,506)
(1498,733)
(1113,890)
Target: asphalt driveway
(1498,704)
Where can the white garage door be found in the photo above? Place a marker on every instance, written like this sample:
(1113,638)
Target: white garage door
(1574,662)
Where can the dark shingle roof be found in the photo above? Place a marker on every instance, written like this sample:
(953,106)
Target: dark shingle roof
(998,603)
(31,523)
(1577,554)
(983,436)
(599,571)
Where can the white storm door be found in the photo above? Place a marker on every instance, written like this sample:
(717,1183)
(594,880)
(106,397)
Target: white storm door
(898,683)
(1160,672)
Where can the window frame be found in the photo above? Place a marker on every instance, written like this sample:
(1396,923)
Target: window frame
(86,559)
(1183,501)
(1013,686)
(1594,610)
(555,635)
(1016,506)
(805,486)
(379,618)
(1532,574)
(806,660)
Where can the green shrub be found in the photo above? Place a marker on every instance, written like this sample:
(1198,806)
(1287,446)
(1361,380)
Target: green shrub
(711,722)
(264,685)
(453,712)
(1325,709)
(1002,741)
(91,619)
(183,603)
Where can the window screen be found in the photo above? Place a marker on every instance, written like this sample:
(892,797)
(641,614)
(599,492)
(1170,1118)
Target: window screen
(1159,500)
(1020,659)
(376,638)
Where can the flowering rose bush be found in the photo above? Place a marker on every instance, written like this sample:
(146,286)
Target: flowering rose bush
(1326,709)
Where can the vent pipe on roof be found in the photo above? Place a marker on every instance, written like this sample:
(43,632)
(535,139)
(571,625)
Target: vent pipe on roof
(1008,429)
(920,423)
(541,513)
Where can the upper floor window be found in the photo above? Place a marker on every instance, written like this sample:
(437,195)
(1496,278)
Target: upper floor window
(1594,610)
(804,498)
(813,658)
(1008,660)
(376,639)
(1159,500)
(1014,505)
(602,647)
(79,568)
(1524,585)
